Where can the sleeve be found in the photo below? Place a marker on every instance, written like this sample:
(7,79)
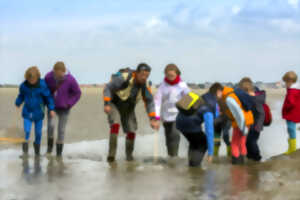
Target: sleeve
(48,98)
(237,113)
(149,103)
(209,131)
(158,101)
(290,100)
(186,89)
(114,85)
(75,93)
(20,98)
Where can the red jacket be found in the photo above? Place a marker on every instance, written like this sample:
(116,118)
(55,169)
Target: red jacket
(291,106)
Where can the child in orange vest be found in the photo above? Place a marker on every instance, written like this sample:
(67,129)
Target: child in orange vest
(238,109)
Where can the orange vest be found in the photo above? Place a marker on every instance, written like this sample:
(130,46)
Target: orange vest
(249,119)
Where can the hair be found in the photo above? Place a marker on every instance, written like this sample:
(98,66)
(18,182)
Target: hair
(246,84)
(290,76)
(215,87)
(143,67)
(59,66)
(172,67)
(32,72)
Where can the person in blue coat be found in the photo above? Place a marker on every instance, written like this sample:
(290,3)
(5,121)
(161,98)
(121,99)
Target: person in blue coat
(191,126)
(34,94)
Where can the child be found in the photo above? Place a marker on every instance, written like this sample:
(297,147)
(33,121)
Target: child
(259,98)
(66,93)
(238,106)
(195,111)
(34,93)
(291,108)
(169,92)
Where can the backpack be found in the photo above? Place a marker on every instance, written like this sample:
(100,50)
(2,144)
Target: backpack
(190,103)
(268,115)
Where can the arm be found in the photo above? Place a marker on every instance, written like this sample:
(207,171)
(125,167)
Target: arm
(20,98)
(149,102)
(75,93)
(261,117)
(48,98)
(186,89)
(237,113)
(209,131)
(114,85)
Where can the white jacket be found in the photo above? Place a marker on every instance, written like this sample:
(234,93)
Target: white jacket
(166,98)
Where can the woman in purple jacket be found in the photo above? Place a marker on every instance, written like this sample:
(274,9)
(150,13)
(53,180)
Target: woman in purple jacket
(66,93)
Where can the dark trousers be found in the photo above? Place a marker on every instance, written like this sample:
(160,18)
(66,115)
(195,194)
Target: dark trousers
(197,147)
(252,146)
(172,138)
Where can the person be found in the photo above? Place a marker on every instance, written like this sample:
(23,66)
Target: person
(169,92)
(238,105)
(259,97)
(34,94)
(66,93)
(121,96)
(193,112)
(291,108)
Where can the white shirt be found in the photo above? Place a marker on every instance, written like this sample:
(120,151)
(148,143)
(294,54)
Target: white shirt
(165,99)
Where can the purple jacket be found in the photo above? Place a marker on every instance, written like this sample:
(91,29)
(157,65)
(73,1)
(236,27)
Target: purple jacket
(67,94)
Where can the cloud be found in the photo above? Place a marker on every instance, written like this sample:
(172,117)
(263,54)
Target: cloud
(236,9)
(294,3)
(286,25)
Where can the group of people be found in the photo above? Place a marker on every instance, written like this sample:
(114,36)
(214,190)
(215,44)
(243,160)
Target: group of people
(201,119)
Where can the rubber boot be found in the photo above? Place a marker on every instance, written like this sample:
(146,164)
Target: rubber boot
(292,146)
(228,151)
(129,149)
(113,143)
(36,149)
(50,145)
(241,160)
(25,150)
(235,160)
(59,149)
(216,150)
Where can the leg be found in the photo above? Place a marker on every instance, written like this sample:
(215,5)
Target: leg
(243,148)
(252,146)
(114,121)
(172,138)
(291,126)
(27,130)
(38,136)
(235,146)
(50,132)
(63,116)
(226,136)
(129,124)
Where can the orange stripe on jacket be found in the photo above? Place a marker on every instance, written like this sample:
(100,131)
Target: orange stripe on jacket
(152,114)
(249,119)
(107,99)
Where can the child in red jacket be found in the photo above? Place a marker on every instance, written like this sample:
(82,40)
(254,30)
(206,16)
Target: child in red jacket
(291,108)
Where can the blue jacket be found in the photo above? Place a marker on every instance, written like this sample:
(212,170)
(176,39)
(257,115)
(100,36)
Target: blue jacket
(192,123)
(34,98)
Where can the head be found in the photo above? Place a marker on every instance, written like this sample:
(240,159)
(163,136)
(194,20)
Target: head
(246,84)
(32,75)
(217,90)
(290,78)
(142,73)
(171,72)
(59,70)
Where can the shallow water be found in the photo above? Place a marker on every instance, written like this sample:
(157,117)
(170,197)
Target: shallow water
(84,174)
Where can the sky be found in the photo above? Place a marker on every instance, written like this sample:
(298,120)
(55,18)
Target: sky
(210,40)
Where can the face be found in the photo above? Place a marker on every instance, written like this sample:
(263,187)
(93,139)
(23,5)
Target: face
(59,74)
(288,84)
(219,94)
(33,80)
(142,76)
(171,75)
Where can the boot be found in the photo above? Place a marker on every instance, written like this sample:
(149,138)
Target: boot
(216,150)
(129,149)
(241,160)
(36,149)
(228,151)
(113,143)
(235,160)
(25,150)
(292,146)
(59,150)
(50,145)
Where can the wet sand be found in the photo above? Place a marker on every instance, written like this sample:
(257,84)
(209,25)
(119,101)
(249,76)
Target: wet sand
(84,174)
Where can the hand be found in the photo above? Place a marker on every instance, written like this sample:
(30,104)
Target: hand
(18,108)
(107,109)
(155,124)
(209,159)
(52,114)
